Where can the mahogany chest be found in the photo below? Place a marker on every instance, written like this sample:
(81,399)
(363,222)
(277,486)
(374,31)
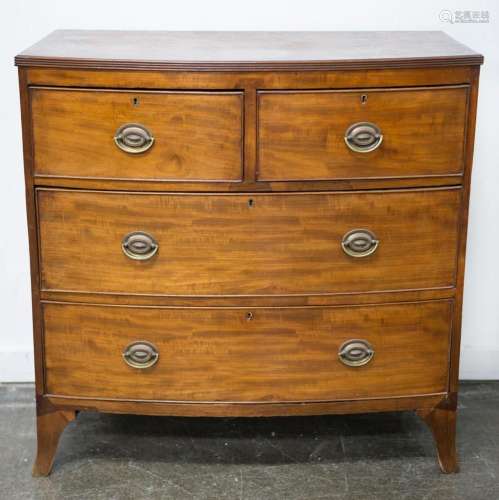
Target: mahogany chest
(247,224)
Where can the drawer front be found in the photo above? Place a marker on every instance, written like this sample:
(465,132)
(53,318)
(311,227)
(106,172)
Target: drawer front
(195,135)
(253,244)
(289,354)
(399,133)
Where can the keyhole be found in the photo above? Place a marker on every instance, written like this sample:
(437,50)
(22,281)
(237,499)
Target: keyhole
(135,101)
(363,98)
(251,202)
(249,316)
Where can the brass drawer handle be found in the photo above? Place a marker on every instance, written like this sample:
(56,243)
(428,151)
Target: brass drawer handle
(140,354)
(363,137)
(139,245)
(356,352)
(359,243)
(133,138)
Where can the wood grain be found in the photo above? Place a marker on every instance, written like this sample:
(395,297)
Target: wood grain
(219,258)
(470,142)
(247,186)
(260,409)
(220,355)
(301,134)
(442,423)
(246,300)
(212,80)
(220,245)
(246,50)
(198,136)
(32,223)
(49,427)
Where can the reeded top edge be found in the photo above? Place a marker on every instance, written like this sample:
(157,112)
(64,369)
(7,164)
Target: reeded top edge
(246,50)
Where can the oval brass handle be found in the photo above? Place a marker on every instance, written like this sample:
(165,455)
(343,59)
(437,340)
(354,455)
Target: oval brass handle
(363,137)
(356,352)
(140,354)
(133,138)
(139,245)
(359,243)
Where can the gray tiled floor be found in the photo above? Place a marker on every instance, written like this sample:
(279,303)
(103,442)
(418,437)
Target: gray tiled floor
(381,456)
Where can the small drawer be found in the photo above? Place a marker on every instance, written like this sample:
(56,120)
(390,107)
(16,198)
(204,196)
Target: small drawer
(253,244)
(272,355)
(361,134)
(137,135)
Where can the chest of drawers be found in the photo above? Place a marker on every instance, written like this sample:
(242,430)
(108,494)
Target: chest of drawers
(247,224)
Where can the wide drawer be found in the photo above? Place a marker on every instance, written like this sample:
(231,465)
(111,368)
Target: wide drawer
(256,244)
(178,136)
(288,354)
(314,135)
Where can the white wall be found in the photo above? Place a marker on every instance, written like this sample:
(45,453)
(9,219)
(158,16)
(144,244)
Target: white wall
(23,22)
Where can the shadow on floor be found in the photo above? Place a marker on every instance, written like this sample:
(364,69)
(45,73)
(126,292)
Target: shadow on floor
(385,455)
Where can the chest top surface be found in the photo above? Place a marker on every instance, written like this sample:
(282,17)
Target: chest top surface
(246,50)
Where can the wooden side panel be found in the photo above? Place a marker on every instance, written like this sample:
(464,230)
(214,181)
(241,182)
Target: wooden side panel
(470,141)
(198,136)
(239,245)
(301,134)
(286,354)
(32,226)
